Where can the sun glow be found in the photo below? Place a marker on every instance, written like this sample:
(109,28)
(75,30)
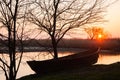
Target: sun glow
(100,36)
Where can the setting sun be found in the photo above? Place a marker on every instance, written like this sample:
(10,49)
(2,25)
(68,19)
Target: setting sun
(99,36)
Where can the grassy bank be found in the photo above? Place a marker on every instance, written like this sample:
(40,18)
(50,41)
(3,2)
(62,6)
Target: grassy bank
(96,72)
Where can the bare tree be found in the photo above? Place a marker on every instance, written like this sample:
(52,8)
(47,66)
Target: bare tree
(57,17)
(12,14)
(95,32)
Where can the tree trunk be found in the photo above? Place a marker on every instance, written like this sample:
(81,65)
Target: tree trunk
(11,54)
(54,45)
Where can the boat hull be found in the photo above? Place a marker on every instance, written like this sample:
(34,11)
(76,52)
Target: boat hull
(62,63)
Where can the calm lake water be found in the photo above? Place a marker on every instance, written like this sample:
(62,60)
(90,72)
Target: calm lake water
(105,57)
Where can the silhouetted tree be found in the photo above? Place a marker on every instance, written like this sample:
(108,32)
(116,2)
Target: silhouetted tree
(12,13)
(96,32)
(57,17)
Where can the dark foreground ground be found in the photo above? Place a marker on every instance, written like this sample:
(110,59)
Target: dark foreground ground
(95,72)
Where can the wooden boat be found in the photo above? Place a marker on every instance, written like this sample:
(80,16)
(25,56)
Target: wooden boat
(85,58)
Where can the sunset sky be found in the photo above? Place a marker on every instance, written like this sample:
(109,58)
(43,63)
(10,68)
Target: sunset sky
(113,17)
(112,24)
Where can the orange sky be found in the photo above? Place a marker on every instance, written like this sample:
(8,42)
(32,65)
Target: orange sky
(113,17)
(112,26)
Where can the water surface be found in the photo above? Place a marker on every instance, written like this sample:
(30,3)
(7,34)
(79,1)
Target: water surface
(104,58)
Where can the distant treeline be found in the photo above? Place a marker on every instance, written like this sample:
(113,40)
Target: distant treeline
(112,44)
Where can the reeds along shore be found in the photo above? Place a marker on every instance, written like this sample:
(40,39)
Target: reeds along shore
(44,44)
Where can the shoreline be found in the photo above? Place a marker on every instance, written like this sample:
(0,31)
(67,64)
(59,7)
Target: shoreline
(93,72)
